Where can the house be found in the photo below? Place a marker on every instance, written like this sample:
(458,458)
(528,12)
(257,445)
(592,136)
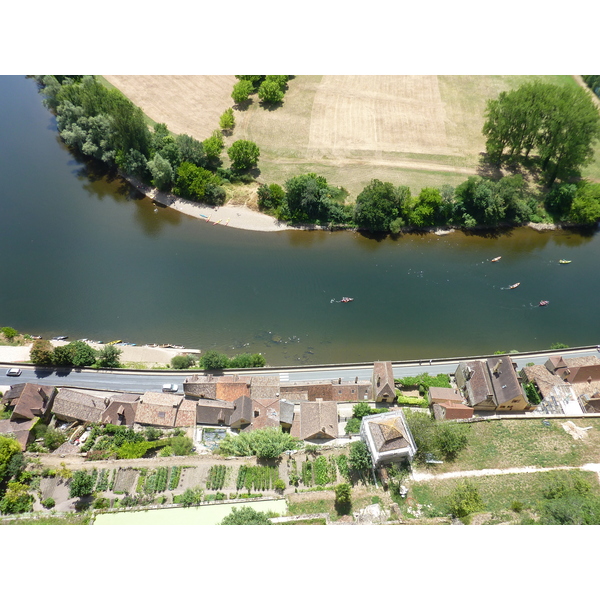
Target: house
(286,414)
(264,388)
(473,379)
(200,386)
(157,410)
(316,421)
(307,391)
(30,400)
(265,413)
(20,429)
(121,409)
(383,387)
(71,405)
(449,410)
(242,412)
(186,414)
(508,391)
(214,412)
(437,395)
(388,438)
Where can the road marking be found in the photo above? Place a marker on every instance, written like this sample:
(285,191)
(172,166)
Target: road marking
(284,376)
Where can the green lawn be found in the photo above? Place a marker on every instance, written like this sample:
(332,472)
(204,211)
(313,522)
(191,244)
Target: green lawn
(498,492)
(505,444)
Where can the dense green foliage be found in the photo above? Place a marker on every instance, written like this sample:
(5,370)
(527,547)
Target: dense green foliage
(382,207)
(245,516)
(270,197)
(343,498)
(464,500)
(359,458)
(558,123)
(241,91)
(424,381)
(593,82)
(182,361)
(256,478)
(41,353)
(227,119)
(17,499)
(9,333)
(8,448)
(435,438)
(270,442)
(109,357)
(213,360)
(197,183)
(243,155)
(360,410)
(532,393)
(270,92)
(81,484)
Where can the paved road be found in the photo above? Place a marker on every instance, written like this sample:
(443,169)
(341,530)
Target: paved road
(133,381)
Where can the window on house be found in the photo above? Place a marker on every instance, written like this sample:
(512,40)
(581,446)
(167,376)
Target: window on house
(257,413)
(161,415)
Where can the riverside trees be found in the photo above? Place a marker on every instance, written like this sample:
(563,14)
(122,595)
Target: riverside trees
(560,123)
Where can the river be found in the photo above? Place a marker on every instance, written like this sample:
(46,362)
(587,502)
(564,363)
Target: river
(84,256)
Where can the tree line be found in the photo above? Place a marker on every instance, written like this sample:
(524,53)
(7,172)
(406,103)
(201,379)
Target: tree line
(103,124)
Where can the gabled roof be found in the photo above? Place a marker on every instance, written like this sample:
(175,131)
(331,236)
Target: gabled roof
(504,379)
(20,430)
(231,390)
(452,410)
(440,394)
(121,409)
(389,434)
(383,380)
(478,385)
(31,400)
(387,437)
(214,412)
(158,409)
(77,406)
(286,412)
(186,414)
(265,413)
(242,412)
(316,420)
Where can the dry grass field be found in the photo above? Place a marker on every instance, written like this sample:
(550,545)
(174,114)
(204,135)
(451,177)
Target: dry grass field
(411,130)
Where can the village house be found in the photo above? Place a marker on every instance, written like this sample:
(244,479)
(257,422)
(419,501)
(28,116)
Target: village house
(21,430)
(383,387)
(388,438)
(121,409)
(214,412)
(160,410)
(265,413)
(448,403)
(30,400)
(316,421)
(71,405)
(473,379)
(242,412)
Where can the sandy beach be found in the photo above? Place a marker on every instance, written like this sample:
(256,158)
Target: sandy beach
(228,215)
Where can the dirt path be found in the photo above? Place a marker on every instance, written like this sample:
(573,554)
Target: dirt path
(485,472)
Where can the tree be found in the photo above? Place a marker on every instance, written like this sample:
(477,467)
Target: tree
(243,155)
(152,434)
(53,438)
(241,91)
(428,208)
(360,458)
(182,361)
(227,119)
(16,499)
(362,409)
(270,196)
(83,355)
(214,360)
(464,500)
(450,439)
(195,182)
(269,442)
(182,445)
(82,484)
(8,448)
(41,352)
(585,208)
(309,198)
(162,172)
(191,496)
(247,361)
(560,199)
(245,516)
(270,92)
(63,356)
(191,150)
(561,123)
(213,146)
(380,204)
(343,498)
(9,333)
(109,357)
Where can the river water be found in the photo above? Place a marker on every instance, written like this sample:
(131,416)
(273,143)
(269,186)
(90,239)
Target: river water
(84,256)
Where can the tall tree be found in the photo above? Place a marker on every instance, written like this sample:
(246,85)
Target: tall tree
(379,205)
(243,155)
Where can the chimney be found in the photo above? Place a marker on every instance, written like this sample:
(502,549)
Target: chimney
(356,379)
(340,380)
(378,380)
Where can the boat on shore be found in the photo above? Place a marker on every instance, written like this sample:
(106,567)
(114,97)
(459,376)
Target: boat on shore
(562,261)
(544,303)
(60,338)
(496,259)
(514,285)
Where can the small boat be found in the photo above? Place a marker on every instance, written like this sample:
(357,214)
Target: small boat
(204,216)
(496,259)
(217,222)
(544,303)
(513,286)
(345,299)
(564,262)
(113,343)
(59,338)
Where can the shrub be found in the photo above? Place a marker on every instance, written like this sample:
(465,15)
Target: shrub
(245,516)
(9,333)
(279,485)
(152,434)
(82,484)
(174,478)
(182,361)
(464,500)
(191,496)
(49,503)
(343,498)
(360,458)
(181,445)
(269,442)
(100,503)
(214,360)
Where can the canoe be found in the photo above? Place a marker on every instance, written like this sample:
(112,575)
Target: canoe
(513,286)
(496,259)
(564,262)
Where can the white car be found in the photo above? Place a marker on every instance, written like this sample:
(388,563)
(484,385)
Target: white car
(170,387)
(14,372)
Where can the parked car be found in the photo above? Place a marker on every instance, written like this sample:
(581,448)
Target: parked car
(13,372)
(170,387)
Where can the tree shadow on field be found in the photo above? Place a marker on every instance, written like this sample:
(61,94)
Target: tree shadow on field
(271,106)
(242,106)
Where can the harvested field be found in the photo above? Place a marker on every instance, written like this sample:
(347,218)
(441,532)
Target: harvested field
(412,130)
